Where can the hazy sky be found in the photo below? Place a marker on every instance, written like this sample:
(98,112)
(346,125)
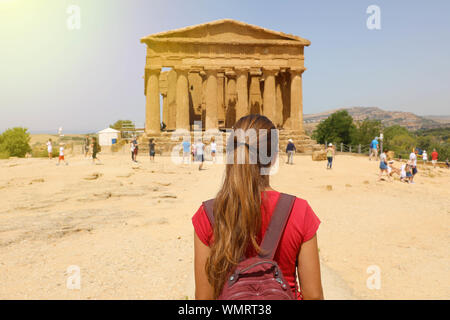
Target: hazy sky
(84,80)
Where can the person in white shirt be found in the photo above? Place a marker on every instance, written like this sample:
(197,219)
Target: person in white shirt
(413,159)
(61,154)
(132,146)
(384,166)
(199,148)
(50,149)
(213,149)
(424,156)
(403,172)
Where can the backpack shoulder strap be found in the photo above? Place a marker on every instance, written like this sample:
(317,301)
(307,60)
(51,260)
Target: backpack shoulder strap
(276,226)
(208,206)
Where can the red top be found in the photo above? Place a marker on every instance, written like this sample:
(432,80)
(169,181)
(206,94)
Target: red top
(434,155)
(301,226)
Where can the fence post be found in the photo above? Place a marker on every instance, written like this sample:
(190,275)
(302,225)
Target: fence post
(342,145)
(359,148)
(350,148)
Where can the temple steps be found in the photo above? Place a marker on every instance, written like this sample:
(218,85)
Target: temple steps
(167,141)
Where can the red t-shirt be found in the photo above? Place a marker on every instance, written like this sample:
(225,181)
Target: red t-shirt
(434,155)
(301,226)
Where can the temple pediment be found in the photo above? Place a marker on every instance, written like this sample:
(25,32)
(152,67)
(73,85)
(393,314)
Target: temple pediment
(226,31)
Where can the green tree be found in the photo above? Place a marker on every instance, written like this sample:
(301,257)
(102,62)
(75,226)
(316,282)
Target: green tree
(393,131)
(15,142)
(402,144)
(124,126)
(337,128)
(438,138)
(366,131)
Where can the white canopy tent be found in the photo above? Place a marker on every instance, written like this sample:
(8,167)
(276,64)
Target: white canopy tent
(108,136)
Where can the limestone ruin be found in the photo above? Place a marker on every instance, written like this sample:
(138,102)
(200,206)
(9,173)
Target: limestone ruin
(220,71)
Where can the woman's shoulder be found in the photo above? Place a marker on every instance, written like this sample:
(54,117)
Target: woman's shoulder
(303,219)
(300,205)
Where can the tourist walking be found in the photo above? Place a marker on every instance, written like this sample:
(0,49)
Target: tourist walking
(374,149)
(228,232)
(61,154)
(424,157)
(290,151)
(213,149)
(132,150)
(95,149)
(413,159)
(384,166)
(434,158)
(50,149)
(86,146)
(151,148)
(186,144)
(136,149)
(330,155)
(199,151)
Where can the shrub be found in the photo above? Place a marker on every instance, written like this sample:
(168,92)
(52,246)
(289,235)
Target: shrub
(15,142)
(4,154)
(40,151)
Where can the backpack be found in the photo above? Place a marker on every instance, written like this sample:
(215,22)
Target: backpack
(259,277)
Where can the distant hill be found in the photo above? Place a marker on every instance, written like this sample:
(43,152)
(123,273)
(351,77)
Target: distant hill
(441,119)
(388,118)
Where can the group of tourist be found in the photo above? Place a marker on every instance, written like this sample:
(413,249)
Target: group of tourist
(408,169)
(196,151)
(61,152)
(94,146)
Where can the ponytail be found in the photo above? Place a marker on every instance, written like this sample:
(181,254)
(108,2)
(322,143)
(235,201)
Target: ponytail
(237,205)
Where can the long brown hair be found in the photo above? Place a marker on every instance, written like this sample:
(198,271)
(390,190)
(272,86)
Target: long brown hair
(237,205)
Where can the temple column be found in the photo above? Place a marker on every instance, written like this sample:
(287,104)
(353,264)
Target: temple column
(255,91)
(165,108)
(296,118)
(221,83)
(203,75)
(182,99)
(172,100)
(269,98)
(230,115)
(211,99)
(152,112)
(279,101)
(242,93)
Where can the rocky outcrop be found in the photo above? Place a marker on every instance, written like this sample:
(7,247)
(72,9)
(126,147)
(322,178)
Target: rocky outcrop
(319,155)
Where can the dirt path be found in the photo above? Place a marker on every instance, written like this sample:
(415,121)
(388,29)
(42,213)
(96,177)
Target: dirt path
(127,227)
